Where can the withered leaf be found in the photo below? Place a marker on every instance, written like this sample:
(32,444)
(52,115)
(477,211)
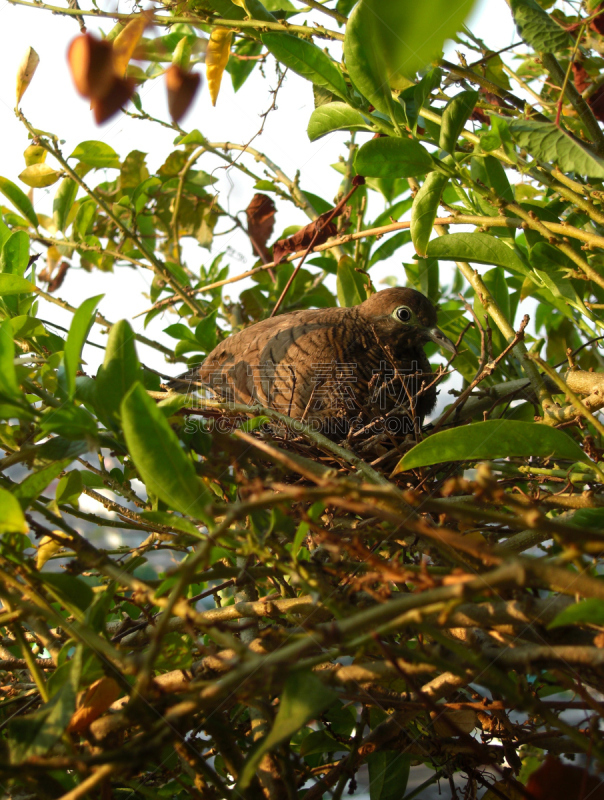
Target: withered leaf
(91,65)
(582,80)
(57,280)
(95,701)
(597,24)
(557,781)
(120,92)
(260,223)
(182,87)
(315,233)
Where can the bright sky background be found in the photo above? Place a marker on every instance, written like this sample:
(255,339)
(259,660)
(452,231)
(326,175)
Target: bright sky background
(52,104)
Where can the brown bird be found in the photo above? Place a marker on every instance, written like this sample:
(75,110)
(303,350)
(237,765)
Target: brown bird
(330,365)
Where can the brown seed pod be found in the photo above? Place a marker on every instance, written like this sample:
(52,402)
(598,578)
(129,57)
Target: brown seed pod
(182,87)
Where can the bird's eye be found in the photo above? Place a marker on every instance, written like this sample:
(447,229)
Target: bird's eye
(403,314)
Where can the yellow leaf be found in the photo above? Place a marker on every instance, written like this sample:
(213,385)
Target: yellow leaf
(126,41)
(26,70)
(39,175)
(48,224)
(49,545)
(463,719)
(95,701)
(217,56)
(34,154)
(52,258)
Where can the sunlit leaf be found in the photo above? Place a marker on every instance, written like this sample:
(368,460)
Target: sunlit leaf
(423,211)
(492,439)
(78,331)
(12,518)
(387,43)
(304,696)
(308,60)
(477,247)
(39,175)
(387,158)
(159,458)
(96,154)
(20,201)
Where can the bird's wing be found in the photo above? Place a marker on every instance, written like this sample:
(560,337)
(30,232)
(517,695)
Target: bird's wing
(271,362)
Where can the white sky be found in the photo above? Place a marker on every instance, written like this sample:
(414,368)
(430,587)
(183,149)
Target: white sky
(52,104)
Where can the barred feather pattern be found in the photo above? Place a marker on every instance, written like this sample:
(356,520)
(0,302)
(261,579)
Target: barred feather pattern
(330,363)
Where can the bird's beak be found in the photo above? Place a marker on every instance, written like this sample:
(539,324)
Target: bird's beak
(437,336)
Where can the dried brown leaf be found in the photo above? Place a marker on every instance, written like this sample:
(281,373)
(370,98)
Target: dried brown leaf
(557,781)
(315,233)
(260,223)
(119,93)
(182,87)
(90,62)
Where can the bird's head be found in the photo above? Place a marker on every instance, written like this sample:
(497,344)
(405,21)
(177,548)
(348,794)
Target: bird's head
(403,314)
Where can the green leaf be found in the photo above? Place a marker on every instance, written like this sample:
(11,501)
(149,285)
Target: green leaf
(501,136)
(96,154)
(71,590)
(494,280)
(423,211)
(336,117)
(590,611)
(350,284)
(63,202)
(308,60)
(15,254)
(493,175)
(159,458)
(388,774)
(119,371)
(303,698)
(12,519)
(538,29)
(239,69)
(389,247)
(9,386)
(320,742)
(423,276)
(499,438)
(546,142)
(386,43)
(34,734)
(478,247)
(392,158)
(13,284)
(206,333)
(549,269)
(39,175)
(70,421)
(59,448)
(454,117)
(69,488)
(84,218)
(78,331)
(413,98)
(34,484)
(180,331)
(20,201)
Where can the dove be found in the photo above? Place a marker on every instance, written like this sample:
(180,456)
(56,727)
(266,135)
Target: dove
(329,366)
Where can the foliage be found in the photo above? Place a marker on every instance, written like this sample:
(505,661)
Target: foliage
(321,605)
